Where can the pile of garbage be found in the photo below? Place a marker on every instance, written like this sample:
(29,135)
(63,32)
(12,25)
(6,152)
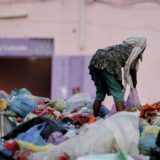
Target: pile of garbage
(37,128)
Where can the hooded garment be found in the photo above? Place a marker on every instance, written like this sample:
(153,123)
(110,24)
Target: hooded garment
(139,43)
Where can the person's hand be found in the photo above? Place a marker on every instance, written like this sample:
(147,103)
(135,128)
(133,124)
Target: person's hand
(134,83)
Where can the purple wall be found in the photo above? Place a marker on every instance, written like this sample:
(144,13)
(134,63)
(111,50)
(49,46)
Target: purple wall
(69,73)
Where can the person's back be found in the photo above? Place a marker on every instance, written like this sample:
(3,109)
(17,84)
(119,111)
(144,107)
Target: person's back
(111,59)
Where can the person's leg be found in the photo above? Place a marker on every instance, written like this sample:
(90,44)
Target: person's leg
(119,105)
(100,90)
(115,89)
(96,107)
(100,95)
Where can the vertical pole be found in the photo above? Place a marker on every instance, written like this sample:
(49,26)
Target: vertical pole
(82,22)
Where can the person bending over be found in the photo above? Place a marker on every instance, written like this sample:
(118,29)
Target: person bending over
(106,67)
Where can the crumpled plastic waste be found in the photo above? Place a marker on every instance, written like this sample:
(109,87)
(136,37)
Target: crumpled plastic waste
(22,105)
(11,145)
(33,135)
(58,105)
(146,143)
(20,92)
(33,147)
(57,138)
(3,104)
(150,129)
(118,156)
(104,136)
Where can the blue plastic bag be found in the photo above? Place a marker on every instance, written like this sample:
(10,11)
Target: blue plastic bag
(22,105)
(20,92)
(33,135)
(147,142)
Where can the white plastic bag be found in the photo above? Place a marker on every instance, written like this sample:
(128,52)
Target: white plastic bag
(119,132)
(132,99)
(118,156)
(80,97)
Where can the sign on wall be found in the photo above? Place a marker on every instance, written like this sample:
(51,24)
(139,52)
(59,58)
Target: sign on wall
(26,47)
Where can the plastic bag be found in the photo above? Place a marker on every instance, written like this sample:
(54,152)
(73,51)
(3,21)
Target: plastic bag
(4,95)
(33,135)
(22,91)
(51,126)
(119,156)
(57,138)
(80,97)
(104,136)
(22,105)
(150,129)
(33,147)
(60,105)
(133,99)
(146,143)
(78,101)
(3,104)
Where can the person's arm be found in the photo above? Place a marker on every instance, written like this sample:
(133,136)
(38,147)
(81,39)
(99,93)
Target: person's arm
(133,72)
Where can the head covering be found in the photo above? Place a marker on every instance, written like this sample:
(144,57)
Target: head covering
(139,43)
